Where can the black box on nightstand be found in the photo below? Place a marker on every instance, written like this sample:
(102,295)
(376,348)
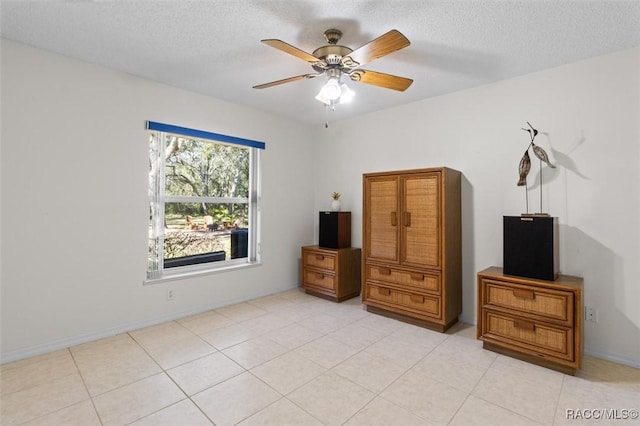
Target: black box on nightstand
(531,247)
(335,230)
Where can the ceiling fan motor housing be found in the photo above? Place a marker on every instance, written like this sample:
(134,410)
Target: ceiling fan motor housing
(332,35)
(331,54)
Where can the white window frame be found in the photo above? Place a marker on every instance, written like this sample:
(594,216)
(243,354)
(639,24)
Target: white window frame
(157,199)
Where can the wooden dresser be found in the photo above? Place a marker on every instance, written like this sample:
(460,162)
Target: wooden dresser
(331,273)
(533,320)
(411,267)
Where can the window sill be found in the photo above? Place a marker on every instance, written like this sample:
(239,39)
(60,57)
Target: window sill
(198,273)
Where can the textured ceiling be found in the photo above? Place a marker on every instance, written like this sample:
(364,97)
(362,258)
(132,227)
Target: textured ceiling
(213,47)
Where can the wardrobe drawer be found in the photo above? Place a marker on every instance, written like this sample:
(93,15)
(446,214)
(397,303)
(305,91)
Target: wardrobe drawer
(553,304)
(318,259)
(424,304)
(538,337)
(419,280)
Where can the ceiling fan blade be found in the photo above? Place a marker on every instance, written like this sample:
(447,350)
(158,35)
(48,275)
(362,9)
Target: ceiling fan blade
(381,79)
(377,48)
(286,80)
(291,50)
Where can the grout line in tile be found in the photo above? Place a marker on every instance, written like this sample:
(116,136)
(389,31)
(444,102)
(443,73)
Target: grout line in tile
(500,406)
(219,383)
(86,388)
(186,362)
(379,394)
(157,411)
(362,408)
(147,353)
(302,408)
(555,411)
(472,390)
(202,411)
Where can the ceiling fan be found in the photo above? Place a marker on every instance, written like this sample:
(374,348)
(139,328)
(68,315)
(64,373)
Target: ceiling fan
(334,61)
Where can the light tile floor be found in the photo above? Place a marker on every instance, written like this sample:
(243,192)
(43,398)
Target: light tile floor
(294,359)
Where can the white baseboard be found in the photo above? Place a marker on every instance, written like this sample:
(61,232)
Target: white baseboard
(611,357)
(467,320)
(55,345)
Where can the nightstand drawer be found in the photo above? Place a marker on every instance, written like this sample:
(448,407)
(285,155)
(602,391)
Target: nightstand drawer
(424,304)
(535,320)
(332,274)
(318,259)
(319,279)
(540,338)
(553,304)
(418,280)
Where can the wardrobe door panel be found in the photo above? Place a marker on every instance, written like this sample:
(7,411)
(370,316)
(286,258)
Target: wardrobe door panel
(420,228)
(381,218)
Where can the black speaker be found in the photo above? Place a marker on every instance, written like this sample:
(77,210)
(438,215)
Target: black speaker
(335,229)
(531,247)
(239,243)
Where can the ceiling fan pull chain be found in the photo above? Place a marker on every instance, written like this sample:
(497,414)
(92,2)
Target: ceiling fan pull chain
(326,116)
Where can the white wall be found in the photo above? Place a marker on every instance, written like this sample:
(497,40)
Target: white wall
(74,201)
(589,116)
(73,154)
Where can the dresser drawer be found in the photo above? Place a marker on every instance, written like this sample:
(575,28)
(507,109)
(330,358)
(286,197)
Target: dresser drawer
(429,305)
(541,338)
(319,279)
(535,320)
(319,260)
(418,280)
(552,304)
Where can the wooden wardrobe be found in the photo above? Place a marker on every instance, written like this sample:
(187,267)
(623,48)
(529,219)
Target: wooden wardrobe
(411,246)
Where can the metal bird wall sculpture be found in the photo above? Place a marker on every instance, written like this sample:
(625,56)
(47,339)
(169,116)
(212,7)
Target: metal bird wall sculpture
(541,154)
(525,166)
(525,163)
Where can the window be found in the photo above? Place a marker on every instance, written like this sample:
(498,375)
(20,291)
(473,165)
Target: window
(204,197)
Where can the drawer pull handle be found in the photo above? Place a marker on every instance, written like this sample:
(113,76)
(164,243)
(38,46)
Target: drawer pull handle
(394,219)
(320,276)
(524,294)
(524,325)
(384,271)
(319,257)
(416,298)
(384,291)
(417,277)
(407,219)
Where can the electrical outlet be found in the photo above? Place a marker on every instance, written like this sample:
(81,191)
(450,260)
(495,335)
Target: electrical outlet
(170,294)
(590,314)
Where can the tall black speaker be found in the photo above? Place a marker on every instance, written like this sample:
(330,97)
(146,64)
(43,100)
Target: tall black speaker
(239,243)
(335,229)
(531,247)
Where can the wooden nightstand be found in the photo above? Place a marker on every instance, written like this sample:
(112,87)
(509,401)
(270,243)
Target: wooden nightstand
(533,320)
(333,274)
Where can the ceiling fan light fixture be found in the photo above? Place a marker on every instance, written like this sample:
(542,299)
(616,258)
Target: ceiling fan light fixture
(346,94)
(334,92)
(331,90)
(320,96)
